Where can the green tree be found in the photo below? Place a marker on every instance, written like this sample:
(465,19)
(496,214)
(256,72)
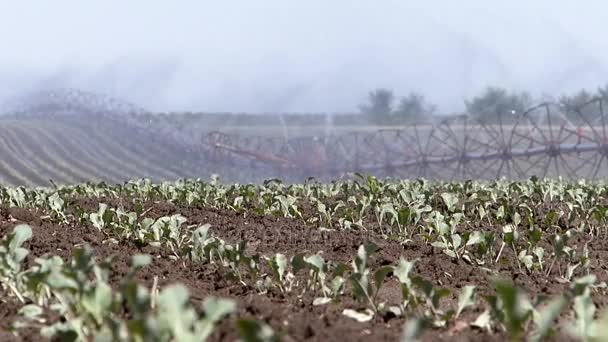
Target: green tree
(380,104)
(580,98)
(495,102)
(603,92)
(413,107)
(579,104)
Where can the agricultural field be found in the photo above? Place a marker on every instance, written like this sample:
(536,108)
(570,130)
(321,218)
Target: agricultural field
(75,137)
(42,151)
(361,259)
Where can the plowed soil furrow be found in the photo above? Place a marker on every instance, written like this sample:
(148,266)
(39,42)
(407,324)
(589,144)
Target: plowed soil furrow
(143,161)
(35,149)
(173,159)
(70,153)
(37,161)
(18,171)
(8,175)
(293,316)
(106,155)
(109,154)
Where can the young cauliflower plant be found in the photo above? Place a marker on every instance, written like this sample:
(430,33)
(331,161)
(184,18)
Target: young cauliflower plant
(91,308)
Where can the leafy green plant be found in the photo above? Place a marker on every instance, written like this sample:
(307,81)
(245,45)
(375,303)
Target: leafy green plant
(364,288)
(12,255)
(92,308)
(280,275)
(255,331)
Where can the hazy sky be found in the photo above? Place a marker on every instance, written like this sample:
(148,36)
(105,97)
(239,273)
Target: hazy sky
(288,55)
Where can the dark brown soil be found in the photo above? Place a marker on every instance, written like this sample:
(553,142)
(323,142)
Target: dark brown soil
(296,319)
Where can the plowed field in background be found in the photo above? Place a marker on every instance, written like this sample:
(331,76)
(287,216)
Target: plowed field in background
(35,151)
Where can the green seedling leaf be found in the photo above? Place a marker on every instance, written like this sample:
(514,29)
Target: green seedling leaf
(321,301)
(516,219)
(559,244)
(15,253)
(363,252)
(30,311)
(57,280)
(360,316)
(17,196)
(547,316)
(403,270)
(360,286)
(510,234)
(316,261)
(440,244)
(61,332)
(540,253)
(580,285)
(339,270)
(215,309)
(425,285)
(526,259)
(55,202)
(21,233)
(439,222)
(200,237)
(515,309)
(482,212)
(466,298)
(253,331)
(139,261)
(450,200)
(413,329)
(450,253)
(570,271)
(98,302)
(475,238)
(278,264)
(404,216)
(174,313)
(298,263)
(380,275)
(438,294)
(600,328)
(456,241)
(97,219)
(551,218)
(500,213)
(389,208)
(483,321)
(534,236)
(584,310)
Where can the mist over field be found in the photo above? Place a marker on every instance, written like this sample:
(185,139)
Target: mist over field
(296,56)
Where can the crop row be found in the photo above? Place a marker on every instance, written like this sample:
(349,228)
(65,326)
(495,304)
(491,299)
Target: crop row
(548,225)
(69,153)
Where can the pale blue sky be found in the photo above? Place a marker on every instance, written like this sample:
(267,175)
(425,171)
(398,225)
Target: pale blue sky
(314,55)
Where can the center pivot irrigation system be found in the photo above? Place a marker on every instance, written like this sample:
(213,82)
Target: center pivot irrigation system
(548,140)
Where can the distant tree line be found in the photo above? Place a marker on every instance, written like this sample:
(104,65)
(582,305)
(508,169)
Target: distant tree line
(493,104)
(381,107)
